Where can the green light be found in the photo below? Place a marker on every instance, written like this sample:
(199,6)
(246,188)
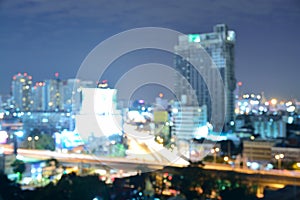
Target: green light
(194,38)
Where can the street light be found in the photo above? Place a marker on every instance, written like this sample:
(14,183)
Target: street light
(214,151)
(32,140)
(279,157)
(226,158)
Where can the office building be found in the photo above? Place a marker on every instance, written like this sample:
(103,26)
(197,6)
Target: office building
(220,47)
(38,94)
(21,92)
(72,95)
(187,120)
(54,95)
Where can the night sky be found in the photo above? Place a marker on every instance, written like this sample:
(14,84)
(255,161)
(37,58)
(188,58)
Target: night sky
(42,37)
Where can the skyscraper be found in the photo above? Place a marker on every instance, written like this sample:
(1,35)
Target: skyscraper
(72,94)
(21,92)
(54,94)
(220,47)
(38,94)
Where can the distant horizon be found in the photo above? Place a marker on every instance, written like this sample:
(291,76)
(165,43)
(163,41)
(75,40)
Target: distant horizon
(153,89)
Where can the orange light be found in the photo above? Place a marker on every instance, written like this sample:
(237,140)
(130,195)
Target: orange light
(161,95)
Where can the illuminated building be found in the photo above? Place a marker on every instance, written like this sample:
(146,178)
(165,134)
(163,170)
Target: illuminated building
(187,120)
(54,94)
(220,47)
(258,150)
(21,92)
(38,93)
(98,116)
(250,104)
(72,95)
(269,126)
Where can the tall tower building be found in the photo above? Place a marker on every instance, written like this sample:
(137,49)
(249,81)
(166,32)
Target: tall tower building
(54,94)
(72,95)
(38,94)
(21,92)
(220,47)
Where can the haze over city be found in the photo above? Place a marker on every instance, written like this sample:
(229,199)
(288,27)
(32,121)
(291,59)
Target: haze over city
(149,99)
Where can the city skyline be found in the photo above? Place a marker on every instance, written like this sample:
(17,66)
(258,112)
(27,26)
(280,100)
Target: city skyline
(42,38)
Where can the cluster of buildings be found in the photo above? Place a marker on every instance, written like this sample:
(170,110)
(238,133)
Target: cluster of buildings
(208,105)
(46,96)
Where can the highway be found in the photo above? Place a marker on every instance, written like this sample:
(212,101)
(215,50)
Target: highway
(129,163)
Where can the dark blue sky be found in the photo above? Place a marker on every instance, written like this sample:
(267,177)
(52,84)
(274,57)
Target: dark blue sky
(41,37)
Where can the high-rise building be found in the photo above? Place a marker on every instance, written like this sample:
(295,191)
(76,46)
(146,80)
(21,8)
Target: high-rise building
(187,121)
(189,83)
(54,94)
(39,97)
(21,92)
(72,95)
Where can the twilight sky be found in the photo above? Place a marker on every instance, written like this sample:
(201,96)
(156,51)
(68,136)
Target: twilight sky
(42,37)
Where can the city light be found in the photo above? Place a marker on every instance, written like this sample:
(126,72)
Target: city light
(279,157)
(226,158)
(83,124)
(19,134)
(215,151)
(273,101)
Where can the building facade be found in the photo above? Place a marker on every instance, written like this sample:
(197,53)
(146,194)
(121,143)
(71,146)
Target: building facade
(54,95)
(187,121)
(21,92)
(219,45)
